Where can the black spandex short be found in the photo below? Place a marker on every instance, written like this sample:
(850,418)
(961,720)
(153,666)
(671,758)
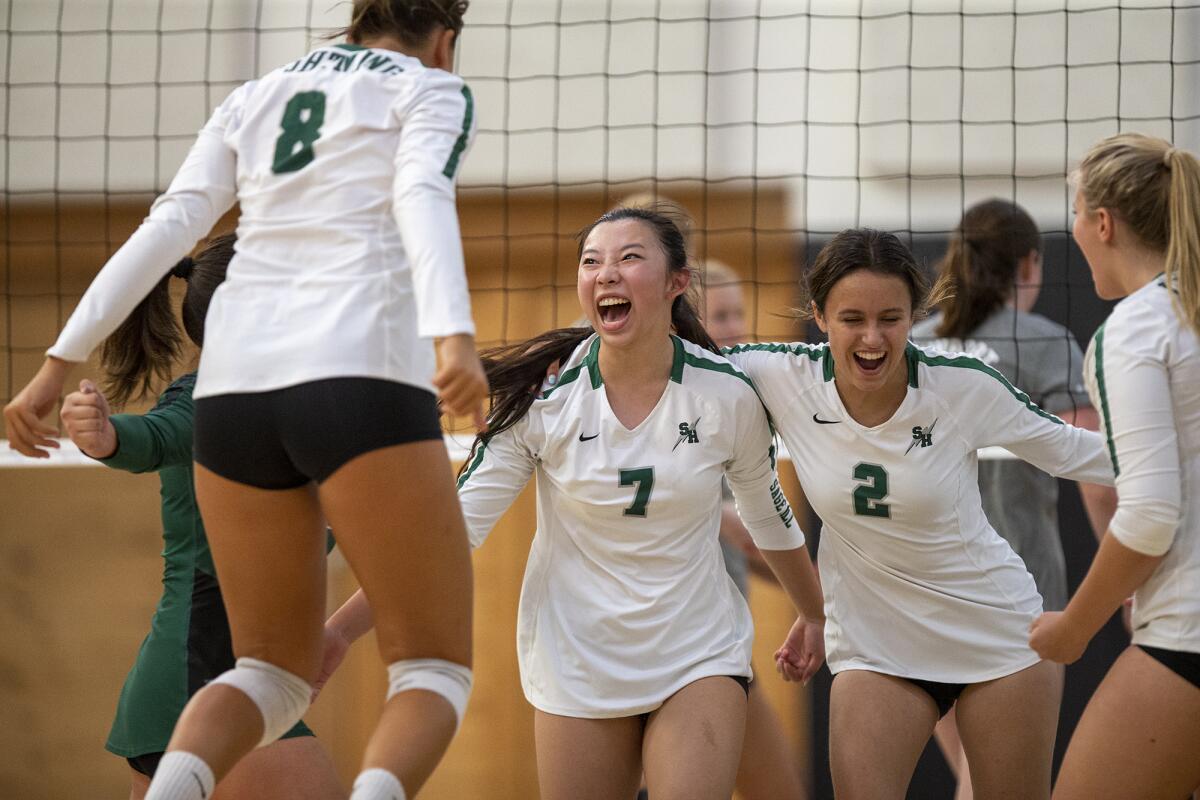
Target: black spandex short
(943,694)
(287,437)
(1184,664)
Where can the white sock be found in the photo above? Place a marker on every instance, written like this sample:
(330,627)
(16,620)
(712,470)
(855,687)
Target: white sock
(375,784)
(181,776)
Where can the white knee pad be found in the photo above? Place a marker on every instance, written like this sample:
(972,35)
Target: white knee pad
(281,697)
(452,681)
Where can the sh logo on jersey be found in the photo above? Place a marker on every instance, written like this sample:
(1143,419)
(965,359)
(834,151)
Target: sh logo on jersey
(688,433)
(921,436)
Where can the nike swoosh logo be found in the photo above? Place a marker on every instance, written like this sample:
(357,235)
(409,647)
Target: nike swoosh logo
(583,438)
(820,421)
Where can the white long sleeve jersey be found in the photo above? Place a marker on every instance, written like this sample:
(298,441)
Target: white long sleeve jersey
(1143,374)
(916,582)
(348,254)
(626,598)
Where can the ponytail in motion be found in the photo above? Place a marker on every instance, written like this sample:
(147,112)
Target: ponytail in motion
(142,352)
(1155,189)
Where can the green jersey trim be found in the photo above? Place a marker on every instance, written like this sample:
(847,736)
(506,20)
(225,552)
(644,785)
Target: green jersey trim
(353,48)
(1100,387)
(590,362)
(678,359)
(916,356)
(700,362)
(461,143)
(814,352)
(474,464)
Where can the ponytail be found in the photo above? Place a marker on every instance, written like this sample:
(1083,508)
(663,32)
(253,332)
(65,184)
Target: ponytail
(978,273)
(1183,245)
(142,352)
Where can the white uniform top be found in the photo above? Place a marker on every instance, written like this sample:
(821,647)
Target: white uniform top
(1143,374)
(343,163)
(916,582)
(626,599)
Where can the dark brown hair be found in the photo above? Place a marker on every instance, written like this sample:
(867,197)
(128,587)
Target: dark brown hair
(981,263)
(411,21)
(516,372)
(142,352)
(1155,189)
(863,248)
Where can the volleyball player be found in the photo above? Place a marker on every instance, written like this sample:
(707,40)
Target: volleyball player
(188,644)
(993,264)
(314,398)
(768,768)
(927,606)
(1136,208)
(633,643)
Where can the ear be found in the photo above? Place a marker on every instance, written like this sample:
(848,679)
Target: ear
(678,281)
(819,318)
(442,51)
(1106,225)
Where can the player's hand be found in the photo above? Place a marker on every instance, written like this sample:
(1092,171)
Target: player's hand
(336,647)
(1054,638)
(461,383)
(85,416)
(803,652)
(27,434)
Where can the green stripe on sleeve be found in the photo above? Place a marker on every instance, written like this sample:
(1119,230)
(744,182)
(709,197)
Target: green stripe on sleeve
(479,450)
(461,144)
(1112,450)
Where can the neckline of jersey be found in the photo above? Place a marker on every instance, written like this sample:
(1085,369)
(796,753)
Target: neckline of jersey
(591,361)
(911,359)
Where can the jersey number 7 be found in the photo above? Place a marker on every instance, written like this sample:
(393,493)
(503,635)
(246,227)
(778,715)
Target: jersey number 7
(643,478)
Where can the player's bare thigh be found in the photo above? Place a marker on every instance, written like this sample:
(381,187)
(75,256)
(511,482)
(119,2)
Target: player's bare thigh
(1138,737)
(693,741)
(588,759)
(878,727)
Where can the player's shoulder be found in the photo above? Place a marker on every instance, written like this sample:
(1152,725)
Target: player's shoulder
(1028,325)
(694,364)
(799,353)
(580,372)
(949,372)
(1141,321)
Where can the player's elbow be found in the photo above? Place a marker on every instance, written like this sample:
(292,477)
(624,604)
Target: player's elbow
(1147,528)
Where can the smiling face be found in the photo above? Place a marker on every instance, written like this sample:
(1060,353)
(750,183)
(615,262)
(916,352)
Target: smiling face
(625,284)
(868,316)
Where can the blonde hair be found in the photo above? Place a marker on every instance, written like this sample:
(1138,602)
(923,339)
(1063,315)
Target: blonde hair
(718,273)
(1155,189)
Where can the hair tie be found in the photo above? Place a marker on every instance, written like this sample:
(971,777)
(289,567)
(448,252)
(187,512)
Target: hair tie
(184,268)
(1167,157)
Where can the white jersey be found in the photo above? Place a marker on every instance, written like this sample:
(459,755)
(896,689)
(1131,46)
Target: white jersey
(626,599)
(1143,374)
(916,582)
(348,254)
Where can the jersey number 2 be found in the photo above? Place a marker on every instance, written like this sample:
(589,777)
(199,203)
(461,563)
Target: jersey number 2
(643,478)
(868,497)
(301,123)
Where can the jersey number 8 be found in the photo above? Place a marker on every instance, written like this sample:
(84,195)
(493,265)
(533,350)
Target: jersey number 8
(301,123)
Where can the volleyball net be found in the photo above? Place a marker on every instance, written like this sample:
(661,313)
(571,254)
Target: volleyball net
(775,123)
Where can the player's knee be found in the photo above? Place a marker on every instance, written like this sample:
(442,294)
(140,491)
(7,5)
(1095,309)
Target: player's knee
(451,681)
(281,697)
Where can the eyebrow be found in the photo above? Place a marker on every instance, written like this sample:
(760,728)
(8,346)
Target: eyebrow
(893,310)
(623,248)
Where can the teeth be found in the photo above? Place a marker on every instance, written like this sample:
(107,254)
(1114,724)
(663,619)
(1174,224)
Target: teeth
(613,301)
(870,356)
